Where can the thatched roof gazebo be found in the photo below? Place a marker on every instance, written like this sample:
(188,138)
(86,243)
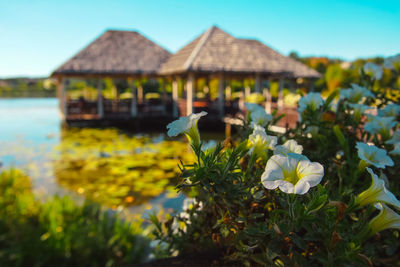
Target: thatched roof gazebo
(115,54)
(214,54)
(217,53)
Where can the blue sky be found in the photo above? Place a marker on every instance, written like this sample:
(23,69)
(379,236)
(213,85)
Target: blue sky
(36,36)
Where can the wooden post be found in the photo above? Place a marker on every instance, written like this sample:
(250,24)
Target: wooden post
(280,95)
(241,101)
(164,95)
(175,112)
(228,129)
(100,108)
(257,84)
(189,94)
(115,101)
(221,100)
(228,92)
(115,92)
(292,82)
(312,86)
(140,93)
(133,100)
(268,98)
(62,98)
(247,91)
(206,88)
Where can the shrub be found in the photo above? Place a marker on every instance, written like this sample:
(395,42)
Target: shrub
(321,194)
(60,232)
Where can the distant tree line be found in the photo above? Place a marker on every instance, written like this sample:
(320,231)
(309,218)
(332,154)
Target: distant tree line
(337,73)
(27,87)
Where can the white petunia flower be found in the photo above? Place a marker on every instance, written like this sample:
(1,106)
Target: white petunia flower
(377,192)
(355,94)
(396,150)
(190,203)
(175,226)
(358,110)
(210,145)
(188,126)
(390,62)
(183,124)
(372,155)
(312,101)
(380,125)
(373,70)
(391,110)
(260,142)
(251,107)
(180,224)
(386,219)
(290,146)
(260,117)
(293,174)
(395,138)
(361,108)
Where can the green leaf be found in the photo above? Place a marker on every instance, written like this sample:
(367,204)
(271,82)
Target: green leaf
(330,98)
(256,215)
(342,140)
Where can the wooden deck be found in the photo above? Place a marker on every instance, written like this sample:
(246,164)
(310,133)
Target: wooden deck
(155,115)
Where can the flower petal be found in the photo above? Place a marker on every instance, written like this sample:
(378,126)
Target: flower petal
(311,172)
(301,187)
(287,187)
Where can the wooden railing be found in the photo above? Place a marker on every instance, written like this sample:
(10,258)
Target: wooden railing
(121,109)
(82,109)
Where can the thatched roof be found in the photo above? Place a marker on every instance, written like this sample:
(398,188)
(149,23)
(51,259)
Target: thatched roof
(116,53)
(217,51)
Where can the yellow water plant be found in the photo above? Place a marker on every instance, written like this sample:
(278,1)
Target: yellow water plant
(116,169)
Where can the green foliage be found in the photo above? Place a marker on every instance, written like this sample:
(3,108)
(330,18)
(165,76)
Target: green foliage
(337,74)
(61,233)
(334,77)
(234,212)
(27,87)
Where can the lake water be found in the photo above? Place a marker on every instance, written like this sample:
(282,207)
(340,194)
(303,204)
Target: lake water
(29,129)
(121,171)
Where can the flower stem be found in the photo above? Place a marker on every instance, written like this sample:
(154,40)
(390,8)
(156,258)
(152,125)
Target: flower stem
(361,166)
(292,199)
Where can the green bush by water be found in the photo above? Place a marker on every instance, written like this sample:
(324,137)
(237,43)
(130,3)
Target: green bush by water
(60,232)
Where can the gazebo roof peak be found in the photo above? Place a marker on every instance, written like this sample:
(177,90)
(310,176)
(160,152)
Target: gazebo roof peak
(116,53)
(217,51)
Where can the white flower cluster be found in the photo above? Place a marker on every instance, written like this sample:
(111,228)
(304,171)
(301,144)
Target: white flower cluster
(260,142)
(373,70)
(287,169)
(381,197)
(355,97)
(356,94)
(258,115)
(312,102)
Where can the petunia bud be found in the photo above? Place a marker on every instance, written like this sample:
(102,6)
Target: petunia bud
(386,219)
(377,192)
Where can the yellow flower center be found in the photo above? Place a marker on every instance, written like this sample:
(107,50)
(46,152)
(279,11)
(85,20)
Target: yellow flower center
(371,157)
(292,176)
